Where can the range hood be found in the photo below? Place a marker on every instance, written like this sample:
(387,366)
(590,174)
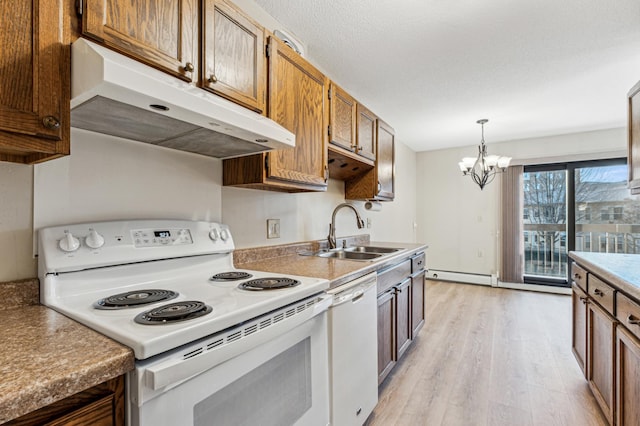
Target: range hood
(115,95)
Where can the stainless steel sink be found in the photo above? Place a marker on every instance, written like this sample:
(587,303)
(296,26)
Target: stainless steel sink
(351,255)
(371,249)
(362,253)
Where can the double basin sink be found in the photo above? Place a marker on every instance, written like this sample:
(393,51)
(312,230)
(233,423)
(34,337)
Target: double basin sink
(363,253)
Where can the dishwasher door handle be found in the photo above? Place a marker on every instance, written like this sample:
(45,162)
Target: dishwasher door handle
(357,296)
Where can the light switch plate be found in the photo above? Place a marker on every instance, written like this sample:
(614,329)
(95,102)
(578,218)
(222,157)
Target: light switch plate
(273,228)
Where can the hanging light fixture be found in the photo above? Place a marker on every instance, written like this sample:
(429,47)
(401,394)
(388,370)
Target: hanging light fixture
(484,168)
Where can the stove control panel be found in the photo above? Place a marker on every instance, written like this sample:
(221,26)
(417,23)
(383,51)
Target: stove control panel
(91,245)
(160,237)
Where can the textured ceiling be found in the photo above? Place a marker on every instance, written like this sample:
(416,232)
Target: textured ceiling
(431,68)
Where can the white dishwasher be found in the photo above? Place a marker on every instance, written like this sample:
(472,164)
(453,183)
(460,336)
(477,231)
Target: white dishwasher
(353,351)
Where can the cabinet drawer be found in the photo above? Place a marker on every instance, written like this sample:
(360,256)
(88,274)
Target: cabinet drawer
(417,263)
(628,313)
(579,276)
(394,275)
(601,292)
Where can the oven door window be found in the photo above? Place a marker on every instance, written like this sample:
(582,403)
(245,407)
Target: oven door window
(276,393)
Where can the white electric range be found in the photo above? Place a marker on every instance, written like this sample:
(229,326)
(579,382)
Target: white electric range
(200,329)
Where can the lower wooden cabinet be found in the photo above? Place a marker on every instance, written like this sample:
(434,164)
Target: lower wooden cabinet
(401,310)
(628,378)
(579,332)
(600,365)
(417,303)
(101,405)
(386,333)
(403,317)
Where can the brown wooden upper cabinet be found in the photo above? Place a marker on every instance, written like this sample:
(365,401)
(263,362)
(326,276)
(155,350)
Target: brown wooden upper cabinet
(377,183)
(352,130)
(162,34)
(34,81)
(297,101)
(366,132)
(634,139)
(234,57)
(342,122)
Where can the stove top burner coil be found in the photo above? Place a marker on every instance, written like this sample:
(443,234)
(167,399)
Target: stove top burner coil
(231,276)
(270,283)
(173,312)
(132,299)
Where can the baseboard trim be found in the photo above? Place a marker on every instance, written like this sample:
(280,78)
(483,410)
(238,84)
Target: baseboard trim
(492,281)
(460,277)
(535,287)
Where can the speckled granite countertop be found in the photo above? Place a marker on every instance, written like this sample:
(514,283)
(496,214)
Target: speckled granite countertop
(46,356)
(286,259)
(621,270)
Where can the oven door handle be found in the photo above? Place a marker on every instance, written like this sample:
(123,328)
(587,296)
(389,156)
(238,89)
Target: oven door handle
(176,370)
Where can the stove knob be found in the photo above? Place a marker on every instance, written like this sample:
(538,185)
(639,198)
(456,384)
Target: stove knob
(69,243)
(224,235)
(214,234)
(94,240)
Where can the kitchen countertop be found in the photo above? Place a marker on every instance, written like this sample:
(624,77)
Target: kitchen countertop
(338,271)
(46,356)
(621,270)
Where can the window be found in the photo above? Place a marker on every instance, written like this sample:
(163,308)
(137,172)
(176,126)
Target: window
(597,204)
(617,213)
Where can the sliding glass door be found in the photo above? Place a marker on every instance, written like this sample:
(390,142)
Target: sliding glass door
(582,206)
(545,224)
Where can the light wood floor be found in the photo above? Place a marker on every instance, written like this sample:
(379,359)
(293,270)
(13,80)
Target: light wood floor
(489,356)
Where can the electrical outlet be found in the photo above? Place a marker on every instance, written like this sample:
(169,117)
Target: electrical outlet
(273,228)
(368,222)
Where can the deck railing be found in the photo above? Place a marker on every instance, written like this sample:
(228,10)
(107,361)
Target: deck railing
(545,245)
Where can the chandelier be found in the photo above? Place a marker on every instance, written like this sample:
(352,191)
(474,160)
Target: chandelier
(484,168)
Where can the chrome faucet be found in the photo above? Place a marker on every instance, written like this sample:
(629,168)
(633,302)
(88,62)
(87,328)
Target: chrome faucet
(332,225)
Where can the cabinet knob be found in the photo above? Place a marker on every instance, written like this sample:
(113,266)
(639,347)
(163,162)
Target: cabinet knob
(213,78)
(188,67)
(633,320)
(583,300)
(598,292)
(51,122)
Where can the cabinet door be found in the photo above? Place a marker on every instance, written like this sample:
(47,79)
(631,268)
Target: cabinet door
(386,333)
(298,102)
(417,303)
(633,128)
(233,50)
(366,132)
(343,118)
(34,81)
(162,34)
(627,378)
(579,336)
(378,183)
(403,316)
(385,161)
(600,356)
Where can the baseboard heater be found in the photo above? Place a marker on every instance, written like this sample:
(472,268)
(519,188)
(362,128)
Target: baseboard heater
(462,277)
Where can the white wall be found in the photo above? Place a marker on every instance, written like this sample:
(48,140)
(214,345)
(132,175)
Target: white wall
(108,178)
(306,216)
(16,261)
(461,223)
